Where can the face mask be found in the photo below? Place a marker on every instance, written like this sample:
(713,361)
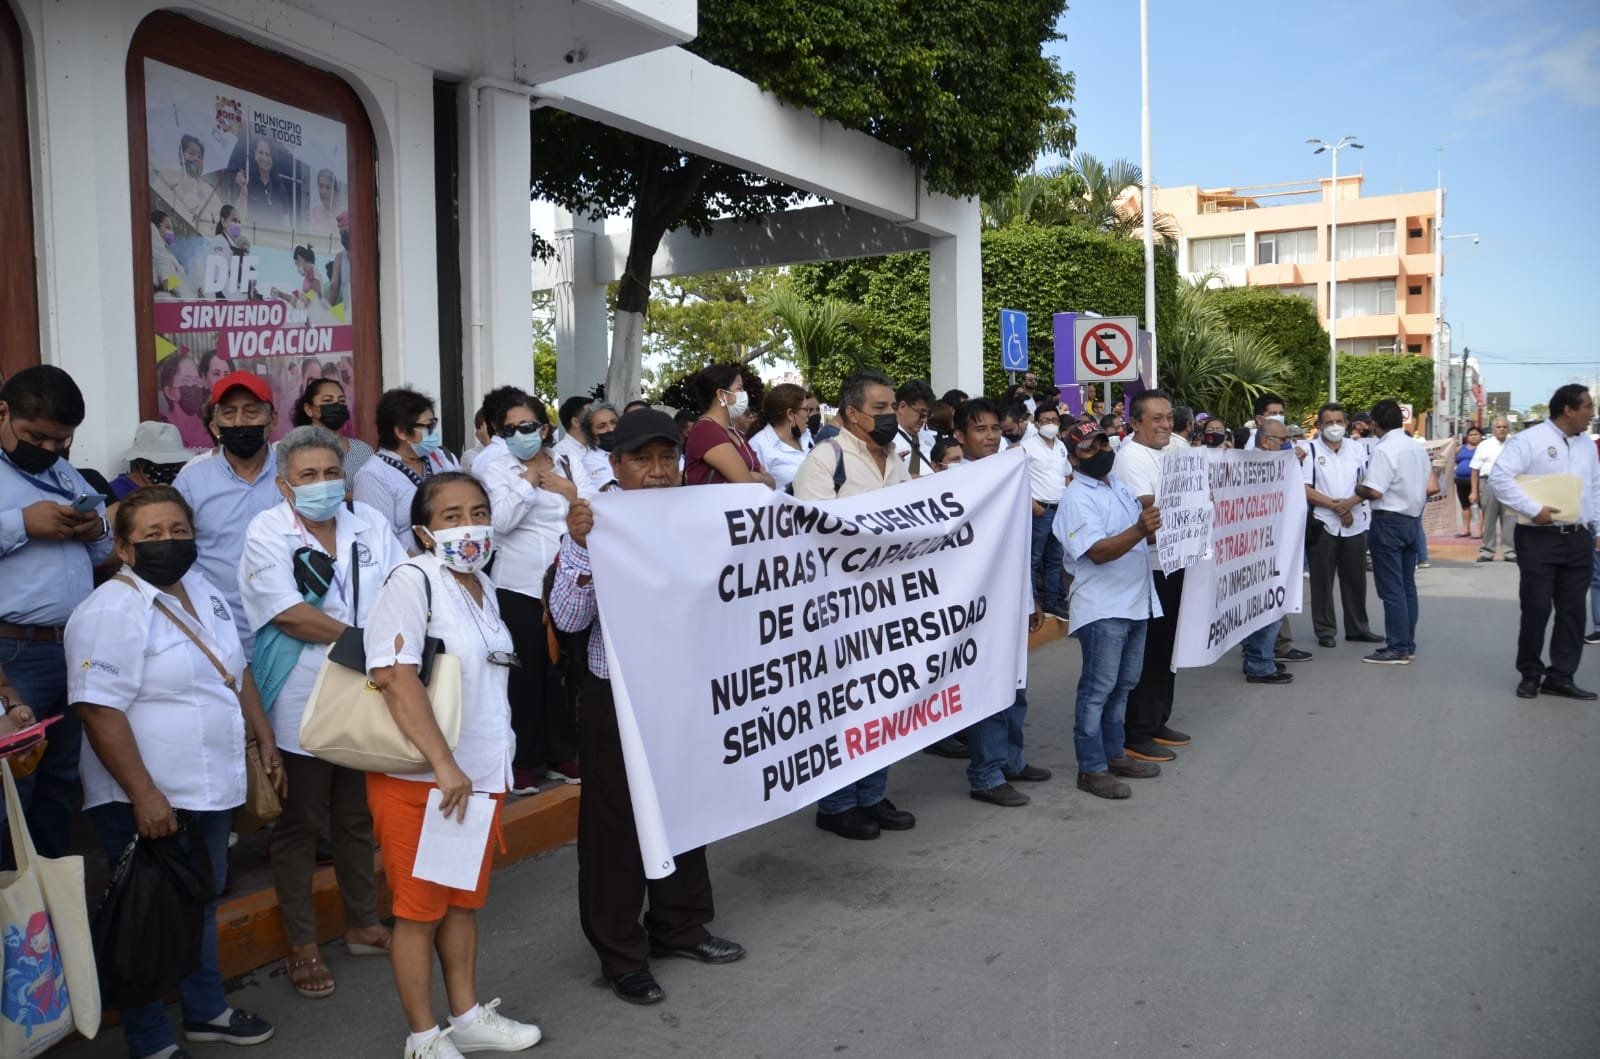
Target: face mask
(884,429)
(951,463)
(235,230)
(344,238)
(428,445)
(30,458)
(1334,433)
(525,446)
(464,549)
(192,399)
(1050,431)
(243,442)
(334,415)
(607,442)
(814,423)
(1097,466)
(1116,442)
(319,501)
(163,563)
(795,431)
(740,405)
(162,473)
(192,166)
(169,237)
(1214,441)
(1274,419)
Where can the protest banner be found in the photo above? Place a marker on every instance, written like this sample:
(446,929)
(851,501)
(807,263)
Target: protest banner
(1184,498)
(765,652)
(1257,554)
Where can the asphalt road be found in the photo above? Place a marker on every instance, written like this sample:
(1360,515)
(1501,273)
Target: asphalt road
(1375,861)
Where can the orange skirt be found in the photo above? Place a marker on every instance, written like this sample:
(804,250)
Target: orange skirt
(397,808)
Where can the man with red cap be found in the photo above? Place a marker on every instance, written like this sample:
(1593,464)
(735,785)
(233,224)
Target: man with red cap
(229,489)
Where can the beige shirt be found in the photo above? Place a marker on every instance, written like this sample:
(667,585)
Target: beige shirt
(814,479)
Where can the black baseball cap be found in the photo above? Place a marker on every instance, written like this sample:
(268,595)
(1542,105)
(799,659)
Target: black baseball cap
(643,425)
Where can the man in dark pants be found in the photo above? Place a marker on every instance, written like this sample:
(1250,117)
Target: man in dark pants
(1336,534)
(1555,545)
(611,880)
(49,546)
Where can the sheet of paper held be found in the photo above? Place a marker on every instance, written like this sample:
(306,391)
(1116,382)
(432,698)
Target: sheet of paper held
(450,851)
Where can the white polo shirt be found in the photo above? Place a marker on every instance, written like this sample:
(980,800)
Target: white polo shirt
(778,458)
(1334,474)
(1399,470)
(125,654)
(1487,452)
(1546,449)
(528,521)
(1048,468)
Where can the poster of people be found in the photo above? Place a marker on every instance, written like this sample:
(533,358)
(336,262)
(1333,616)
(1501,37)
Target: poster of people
(250,246)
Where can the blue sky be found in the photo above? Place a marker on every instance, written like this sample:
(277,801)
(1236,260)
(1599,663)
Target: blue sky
(1504,97)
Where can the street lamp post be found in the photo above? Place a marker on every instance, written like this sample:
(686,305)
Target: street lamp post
(1333,260)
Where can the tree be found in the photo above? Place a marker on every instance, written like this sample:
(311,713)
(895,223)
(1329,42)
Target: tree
(1364,380)
(716,317)
(1290,323)
(1085,193)
(1209,366)
(824,331)
(961,86)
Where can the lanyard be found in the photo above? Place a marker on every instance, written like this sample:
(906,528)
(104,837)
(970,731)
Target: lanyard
(49,487)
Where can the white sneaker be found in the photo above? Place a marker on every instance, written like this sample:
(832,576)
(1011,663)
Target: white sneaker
(441,1047)
(493,1032)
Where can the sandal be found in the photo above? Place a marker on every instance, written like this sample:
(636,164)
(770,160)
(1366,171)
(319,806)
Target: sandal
(368,948)
(305,971)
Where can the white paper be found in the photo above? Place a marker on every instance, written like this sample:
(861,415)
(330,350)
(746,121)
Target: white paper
(450,851)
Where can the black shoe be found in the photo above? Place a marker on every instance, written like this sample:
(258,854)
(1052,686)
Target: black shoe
(711,950)
(1365,637)
(638,987)
(1327,641)
(1149,751)
(1510,557)
(1170,737)
(888,817)
(1029,774)
(1270,678)
(242,1028)
(1528,688)
(1566,689)
(1004,795)
(1386,657)
(1593,637)
(1293,654)
(952,746)
(1132,769)
(852,823)
(1485,558)
(1103,785)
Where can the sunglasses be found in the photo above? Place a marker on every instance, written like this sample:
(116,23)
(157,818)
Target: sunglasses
(529,427)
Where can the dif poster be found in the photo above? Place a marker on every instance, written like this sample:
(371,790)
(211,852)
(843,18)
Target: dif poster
(250,244)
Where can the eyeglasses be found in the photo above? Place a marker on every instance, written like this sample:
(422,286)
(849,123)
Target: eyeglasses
(530,427)
(425,427)
(505,658)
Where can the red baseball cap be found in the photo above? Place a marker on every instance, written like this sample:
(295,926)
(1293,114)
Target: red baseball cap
(248,380)
(1084,432)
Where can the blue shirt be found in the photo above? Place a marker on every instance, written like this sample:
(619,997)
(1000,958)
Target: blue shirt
(224,503)
(1090,512)
(44,580)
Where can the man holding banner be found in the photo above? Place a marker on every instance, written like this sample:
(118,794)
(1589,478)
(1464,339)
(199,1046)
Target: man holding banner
(1259,664)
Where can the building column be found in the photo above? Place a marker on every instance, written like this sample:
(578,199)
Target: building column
(499,339)
(955,305)
(582,351)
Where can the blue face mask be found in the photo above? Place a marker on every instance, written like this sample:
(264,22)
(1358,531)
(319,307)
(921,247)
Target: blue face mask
(525,446)
(428,445)
(318,501)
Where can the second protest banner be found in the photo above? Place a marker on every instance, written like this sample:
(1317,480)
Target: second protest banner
(766,652)
(1253,576)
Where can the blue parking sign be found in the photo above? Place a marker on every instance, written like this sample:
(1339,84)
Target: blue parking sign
(1013,340)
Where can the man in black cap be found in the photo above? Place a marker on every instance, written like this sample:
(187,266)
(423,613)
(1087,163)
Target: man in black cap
(611,881)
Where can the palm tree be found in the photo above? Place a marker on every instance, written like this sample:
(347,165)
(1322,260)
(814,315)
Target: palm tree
(1099,198)
(1210,368)
(820,331)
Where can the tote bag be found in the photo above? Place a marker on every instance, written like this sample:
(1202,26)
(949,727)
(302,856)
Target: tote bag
(49,984)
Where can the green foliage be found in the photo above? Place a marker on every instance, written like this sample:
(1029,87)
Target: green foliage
(544,350)
(699,320)
(1209,367)
(827,331)
(1289,322)
(1367,379)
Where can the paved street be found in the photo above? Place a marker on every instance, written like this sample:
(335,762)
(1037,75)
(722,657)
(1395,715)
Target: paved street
(1376,861)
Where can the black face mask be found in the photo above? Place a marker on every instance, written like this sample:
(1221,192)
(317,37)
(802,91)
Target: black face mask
(191,399)
(1214,441)
(334,415)
(1099,465)
(814,423)
(243,442)
(344,238)
(884,429)
(163,563)
(30,458)
(606,442)
(795,432)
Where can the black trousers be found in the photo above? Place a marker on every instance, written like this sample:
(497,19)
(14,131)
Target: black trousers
(611,882)
(1555,568)
(1150,702)
(545,725)
(1346,558)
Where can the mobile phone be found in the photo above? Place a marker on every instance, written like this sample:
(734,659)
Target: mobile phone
(26,739)
(87,502)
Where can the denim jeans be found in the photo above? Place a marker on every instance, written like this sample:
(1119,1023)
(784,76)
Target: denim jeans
(1047,560)
(994,745)
(868,790)
(1394,540)
(146,1028)
(1113,656)
(50,796)
(1259,649)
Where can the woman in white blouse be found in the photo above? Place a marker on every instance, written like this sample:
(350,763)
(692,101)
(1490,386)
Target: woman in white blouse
(158,676)
(443,593)
(311,569)
(408,453)
(530,499)
(779,445)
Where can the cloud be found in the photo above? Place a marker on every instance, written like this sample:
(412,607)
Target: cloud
(1547,64)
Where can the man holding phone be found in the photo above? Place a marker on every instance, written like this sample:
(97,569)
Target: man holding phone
(53,533)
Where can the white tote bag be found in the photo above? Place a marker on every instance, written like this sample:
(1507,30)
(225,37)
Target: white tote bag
(49,982)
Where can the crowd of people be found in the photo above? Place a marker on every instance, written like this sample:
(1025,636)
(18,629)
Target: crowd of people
(174,622)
